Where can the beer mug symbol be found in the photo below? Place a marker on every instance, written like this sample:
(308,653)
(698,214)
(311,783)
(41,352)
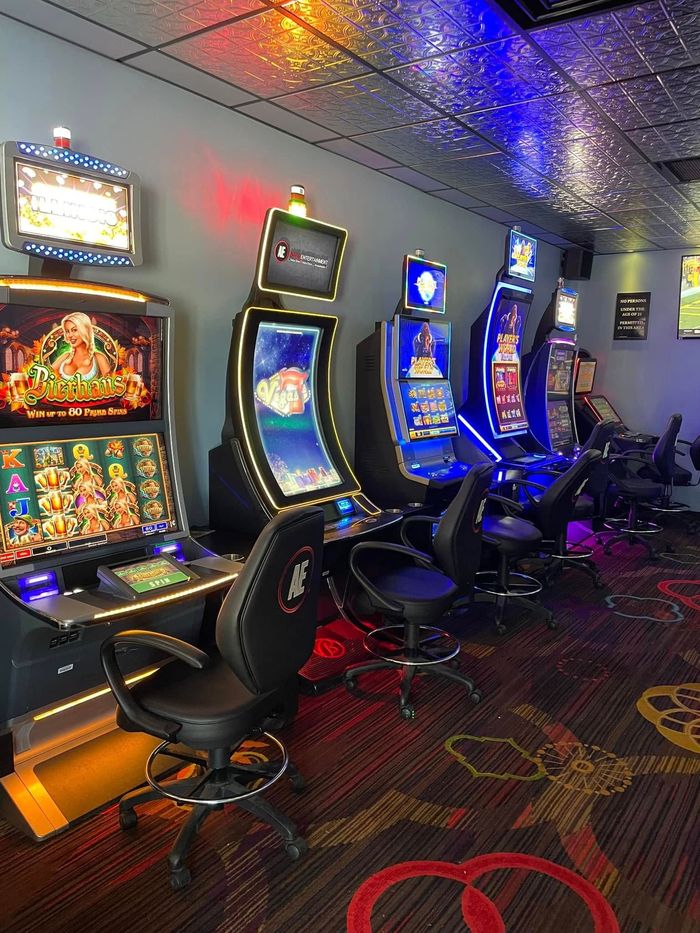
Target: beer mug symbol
(134,384)
(53,480)
(18,386)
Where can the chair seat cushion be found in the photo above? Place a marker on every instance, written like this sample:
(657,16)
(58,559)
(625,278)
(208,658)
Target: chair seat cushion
(510,535)
(215,709)
(425,595)
(637,487)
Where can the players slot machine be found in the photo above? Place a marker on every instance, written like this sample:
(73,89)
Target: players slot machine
(93,529)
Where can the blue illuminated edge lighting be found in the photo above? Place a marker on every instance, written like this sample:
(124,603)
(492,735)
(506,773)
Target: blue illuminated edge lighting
(76,255)
(487,396)
(482,440)
(71,157)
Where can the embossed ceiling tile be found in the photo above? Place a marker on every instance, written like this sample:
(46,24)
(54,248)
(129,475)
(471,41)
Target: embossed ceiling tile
(665,54)
(155,22)
(683,87)
(490,66)
(437,139)
(645,21)
(579,112)
(457,197)
(466,173)
(533,120)
(601,33)
(362,105)
(564,47)
(267,54)
(613,100)
(428,20)
(617,201)
(527,62)
(623,63)
(473,16)
(446,83)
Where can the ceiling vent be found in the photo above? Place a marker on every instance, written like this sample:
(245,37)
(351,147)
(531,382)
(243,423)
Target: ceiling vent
(529,13)
(682,169)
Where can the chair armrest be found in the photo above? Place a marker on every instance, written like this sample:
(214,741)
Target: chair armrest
(173,647)
(547,471)
(415,520)
(632,456)
(527,485)
(380,599)
(510,505)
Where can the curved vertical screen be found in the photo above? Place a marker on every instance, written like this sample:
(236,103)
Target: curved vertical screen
(285,379)
(503,348)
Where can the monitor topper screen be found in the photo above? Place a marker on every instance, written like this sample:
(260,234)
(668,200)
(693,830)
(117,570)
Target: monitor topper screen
(300,256)
(585,376)
(429,409)
(565,309)
(67,205)
(559,422)
(70,367)
(521,256)
(424,285)
(604,409)
(561,364)
(689,305)
(83,492)
(285,376)
(423,349)
(504,344)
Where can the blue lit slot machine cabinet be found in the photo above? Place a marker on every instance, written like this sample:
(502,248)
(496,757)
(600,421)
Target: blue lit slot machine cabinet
(93,529)
(493,420)
(549,383)
(404,408)
(279,444)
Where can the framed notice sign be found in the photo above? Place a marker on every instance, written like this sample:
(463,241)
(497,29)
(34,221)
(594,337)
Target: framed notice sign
(632,315)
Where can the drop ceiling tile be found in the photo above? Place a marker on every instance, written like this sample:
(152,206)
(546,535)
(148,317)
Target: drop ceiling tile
(162,66)
(494,213)
(460,198)
(268,54)
(563,46)
(154,22)
(413,178)
(352,150)
(65,25)
(286,121)
(362,105)
(423,142)
(462,173)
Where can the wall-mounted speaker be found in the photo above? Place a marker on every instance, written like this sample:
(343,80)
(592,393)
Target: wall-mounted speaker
(577,263)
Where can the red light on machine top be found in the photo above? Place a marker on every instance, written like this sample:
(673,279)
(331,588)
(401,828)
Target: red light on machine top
(61,137)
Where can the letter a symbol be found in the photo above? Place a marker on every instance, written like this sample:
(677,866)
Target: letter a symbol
(296,587)
(16,485)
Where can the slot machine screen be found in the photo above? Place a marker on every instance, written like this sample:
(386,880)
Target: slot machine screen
(604,409)
(285,374)
(429,409)
(424,285)
(565,309)
(64,495)
(503,354)
(423,349)
(561,364)
(585,376)
(69,367)
(559,421)
(300,256)
(521,256)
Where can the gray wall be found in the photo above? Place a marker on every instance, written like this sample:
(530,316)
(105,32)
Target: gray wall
(646,380)
(208,176)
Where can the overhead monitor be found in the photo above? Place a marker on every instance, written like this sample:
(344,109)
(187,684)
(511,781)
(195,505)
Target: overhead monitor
(67,205)
(585,376)
(423,348)
(300,256)
(424,285)
(73,367)
(502,366)
(602,407)
(689,303)
(63,495)
(561,433)
(285,376)
(565,309)
(521,256)
(559,369)
(429,409)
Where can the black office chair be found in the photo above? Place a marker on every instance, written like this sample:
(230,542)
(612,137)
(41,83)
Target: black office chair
(551,509)
(212,702)
(693,524)
(636,490)
(412,590)
(591,505)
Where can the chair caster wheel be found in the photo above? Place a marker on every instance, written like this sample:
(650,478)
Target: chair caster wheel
(454,664)
(598,584)
(476,696)
(350,682)
(296,848)
(127,819)
(551,624)
(607,551)
(298,783)
(180,878)
(501,629)
(407,712)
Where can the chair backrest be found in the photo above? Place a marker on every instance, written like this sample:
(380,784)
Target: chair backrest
(556,506)
(664,453)
(695,453)
(457,541)
(599,479)
(600,438)
(267,624)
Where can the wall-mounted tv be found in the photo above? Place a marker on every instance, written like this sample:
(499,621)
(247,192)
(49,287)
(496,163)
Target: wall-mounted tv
(521,256)
(689,303)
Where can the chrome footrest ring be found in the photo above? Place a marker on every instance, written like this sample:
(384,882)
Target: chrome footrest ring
(574,552)
(427,645)
(519,584)
(669,507)
(209,801)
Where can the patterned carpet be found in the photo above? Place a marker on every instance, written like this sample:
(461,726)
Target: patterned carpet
(567,800)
